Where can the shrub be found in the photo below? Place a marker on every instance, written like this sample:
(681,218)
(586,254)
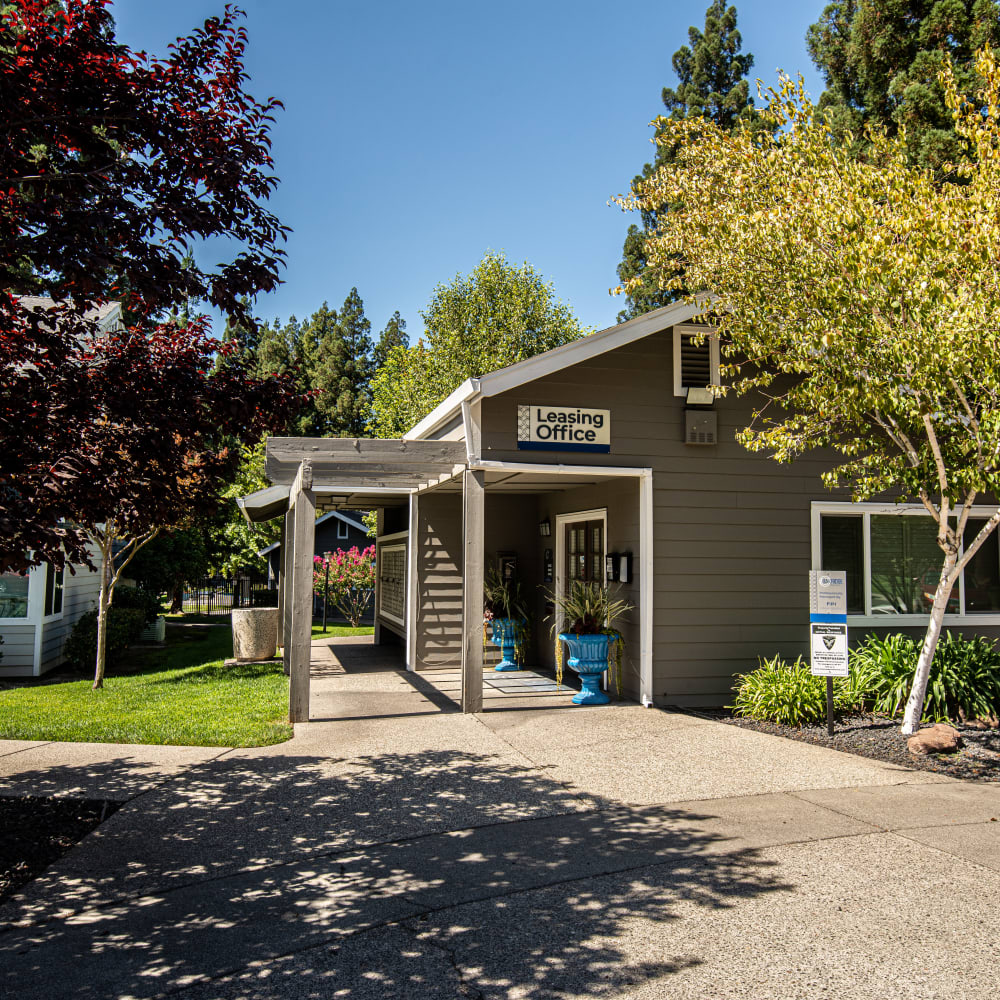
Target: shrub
(125,625)
(964,678)
(788,693)
(140,598)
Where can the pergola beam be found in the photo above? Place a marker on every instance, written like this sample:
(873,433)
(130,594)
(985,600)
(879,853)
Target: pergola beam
(360,458)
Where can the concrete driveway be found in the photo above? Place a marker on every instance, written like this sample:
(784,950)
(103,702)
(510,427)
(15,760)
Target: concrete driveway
(400,849)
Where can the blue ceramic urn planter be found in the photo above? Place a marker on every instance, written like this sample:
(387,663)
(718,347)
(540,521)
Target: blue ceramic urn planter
(588,656)
(505,632)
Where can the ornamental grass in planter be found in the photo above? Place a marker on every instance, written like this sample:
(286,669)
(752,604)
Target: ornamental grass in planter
(505,619)
(590,613)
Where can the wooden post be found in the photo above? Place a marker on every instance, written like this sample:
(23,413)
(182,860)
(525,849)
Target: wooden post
(473,520)
(287,553)
(300,638)
(281,587)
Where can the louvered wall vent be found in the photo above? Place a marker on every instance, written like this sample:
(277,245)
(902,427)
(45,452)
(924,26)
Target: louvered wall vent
(701,427)
(696,362)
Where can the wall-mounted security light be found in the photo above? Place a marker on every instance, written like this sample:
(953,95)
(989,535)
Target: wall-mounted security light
(545,527)
(700,396)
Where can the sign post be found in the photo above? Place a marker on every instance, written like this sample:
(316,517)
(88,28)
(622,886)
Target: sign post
(828,631)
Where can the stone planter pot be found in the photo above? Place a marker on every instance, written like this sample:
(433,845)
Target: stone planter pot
(505,636)
(588,656)
(255,634)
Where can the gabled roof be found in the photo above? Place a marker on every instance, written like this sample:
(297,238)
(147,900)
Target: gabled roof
(339,515)
(106,314)
(552,361)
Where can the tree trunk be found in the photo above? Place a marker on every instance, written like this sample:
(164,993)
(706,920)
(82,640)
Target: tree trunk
(177,599)
(915,702)
(102,618)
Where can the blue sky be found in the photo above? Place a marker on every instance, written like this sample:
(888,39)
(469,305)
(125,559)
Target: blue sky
(417,136)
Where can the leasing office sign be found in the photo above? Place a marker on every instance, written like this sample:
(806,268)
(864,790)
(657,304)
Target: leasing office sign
(563,428)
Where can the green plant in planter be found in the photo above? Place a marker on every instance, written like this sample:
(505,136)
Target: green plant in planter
(590,608)
(504,601)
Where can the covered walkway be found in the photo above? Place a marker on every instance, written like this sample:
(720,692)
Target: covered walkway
(352,678)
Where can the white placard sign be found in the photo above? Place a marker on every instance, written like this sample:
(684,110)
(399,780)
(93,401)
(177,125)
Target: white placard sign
(828,653)
(563,428)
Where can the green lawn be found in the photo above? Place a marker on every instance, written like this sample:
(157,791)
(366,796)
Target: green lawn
(180,694)
(337,631)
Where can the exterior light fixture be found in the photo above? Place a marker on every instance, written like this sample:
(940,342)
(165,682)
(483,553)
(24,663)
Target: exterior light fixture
(545,528)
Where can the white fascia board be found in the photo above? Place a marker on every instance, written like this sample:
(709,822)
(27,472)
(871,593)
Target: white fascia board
(468,390)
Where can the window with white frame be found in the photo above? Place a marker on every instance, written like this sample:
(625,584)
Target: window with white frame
(892,560)
(54,579)
(14,595)
(696,358)
(341,529)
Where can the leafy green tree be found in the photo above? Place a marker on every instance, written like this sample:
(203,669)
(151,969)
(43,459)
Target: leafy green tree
(881,63)
(170,560)
(712,83)
(235,544)
(860,297)
(394,335)
(496,316)
(341,371)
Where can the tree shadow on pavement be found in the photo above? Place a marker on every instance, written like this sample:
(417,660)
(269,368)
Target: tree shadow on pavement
(438,873)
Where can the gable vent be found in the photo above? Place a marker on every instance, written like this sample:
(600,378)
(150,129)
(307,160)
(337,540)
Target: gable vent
(696,362)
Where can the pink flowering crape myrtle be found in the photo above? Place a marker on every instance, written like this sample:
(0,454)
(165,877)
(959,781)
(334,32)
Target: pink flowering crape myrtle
(351,580)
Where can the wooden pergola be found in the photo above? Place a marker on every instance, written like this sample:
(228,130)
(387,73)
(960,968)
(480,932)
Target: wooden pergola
(358,473)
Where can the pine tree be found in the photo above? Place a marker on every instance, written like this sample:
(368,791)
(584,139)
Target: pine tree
(394,335)
(315,341)
(712,83)
(881,63)
(245,336)
(341,370)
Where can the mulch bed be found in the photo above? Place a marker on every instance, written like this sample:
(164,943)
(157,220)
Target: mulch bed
(880,739)
(35,831)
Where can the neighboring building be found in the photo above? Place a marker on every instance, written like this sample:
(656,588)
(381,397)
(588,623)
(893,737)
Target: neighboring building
(108,315)
(608,458)
(38,610)
(336,530)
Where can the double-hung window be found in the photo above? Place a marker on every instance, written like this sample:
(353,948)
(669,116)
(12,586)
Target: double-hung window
(893,562)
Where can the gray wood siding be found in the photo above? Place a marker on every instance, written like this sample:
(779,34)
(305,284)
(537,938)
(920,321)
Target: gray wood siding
(81,592)
(438,549)
(731,529)
(18,650)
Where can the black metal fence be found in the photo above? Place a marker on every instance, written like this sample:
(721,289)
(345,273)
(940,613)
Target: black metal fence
(218,595)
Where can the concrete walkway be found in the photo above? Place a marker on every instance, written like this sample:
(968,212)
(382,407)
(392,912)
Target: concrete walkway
(401,849)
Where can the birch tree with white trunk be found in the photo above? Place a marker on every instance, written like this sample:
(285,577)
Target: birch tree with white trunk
(858,299)
(104,537)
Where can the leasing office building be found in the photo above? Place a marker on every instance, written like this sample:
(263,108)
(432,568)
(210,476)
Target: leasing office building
(602,459)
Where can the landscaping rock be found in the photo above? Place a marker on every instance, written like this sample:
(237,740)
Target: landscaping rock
(940,738)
